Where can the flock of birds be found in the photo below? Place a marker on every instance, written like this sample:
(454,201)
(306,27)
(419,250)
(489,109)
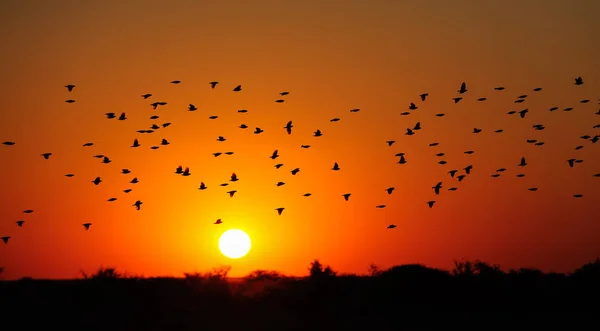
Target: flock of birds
(456,174)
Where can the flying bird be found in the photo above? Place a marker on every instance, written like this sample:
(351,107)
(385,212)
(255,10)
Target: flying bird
(437,188)
(87,226)
(279,210)
(70,87)
(137,204)
(288,127)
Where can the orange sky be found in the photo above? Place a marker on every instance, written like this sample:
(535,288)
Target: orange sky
(332,56)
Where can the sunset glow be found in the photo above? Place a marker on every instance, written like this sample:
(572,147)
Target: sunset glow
(352,68)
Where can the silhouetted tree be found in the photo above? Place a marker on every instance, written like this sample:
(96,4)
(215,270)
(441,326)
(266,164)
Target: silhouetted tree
(588,271)
(103,273)
(463,269)
(262,275)
(317,270)
(374,270)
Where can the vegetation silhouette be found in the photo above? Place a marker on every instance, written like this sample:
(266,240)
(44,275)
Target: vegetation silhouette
(474,295)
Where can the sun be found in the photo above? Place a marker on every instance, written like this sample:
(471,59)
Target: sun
(234,243)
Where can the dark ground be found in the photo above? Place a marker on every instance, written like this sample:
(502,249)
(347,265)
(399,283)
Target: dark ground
(474,296)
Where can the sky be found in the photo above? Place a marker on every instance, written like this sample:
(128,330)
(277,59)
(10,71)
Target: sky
(332,56)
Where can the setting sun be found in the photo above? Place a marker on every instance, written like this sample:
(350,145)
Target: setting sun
(234,243)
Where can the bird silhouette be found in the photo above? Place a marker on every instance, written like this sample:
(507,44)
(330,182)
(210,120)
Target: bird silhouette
(437,187)
(137,204)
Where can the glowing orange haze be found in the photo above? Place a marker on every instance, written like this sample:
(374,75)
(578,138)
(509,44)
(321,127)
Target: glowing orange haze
(332,56)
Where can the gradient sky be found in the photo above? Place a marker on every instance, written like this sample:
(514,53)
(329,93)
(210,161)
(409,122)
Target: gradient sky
(332,55)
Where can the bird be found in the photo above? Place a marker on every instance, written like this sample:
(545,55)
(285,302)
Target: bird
(391,226)
(467,169)
(275,154)
(146,96)
(137,204)
(522,163)
(218,221)
(430,203)
(234,177)
(390,142)
(295,171)
(8,143)
(20,223)
(97,181)
(380,206)
(412,106)
(578,81)
(258,130)
(279,210)
(70,101)
(202,186)
(70,87)
(288,127)
(111,199)
(237,88)
(136,143)
(437,188)
(318,133)
(5,239)
(463,88)
(88,144)
(389,190)
(87,226)
(423,96)
(213,84)
(186,172)
(284,93)
(122,117)
(346,196)
(191,107)
(231,193)
(46,155)
(335,167)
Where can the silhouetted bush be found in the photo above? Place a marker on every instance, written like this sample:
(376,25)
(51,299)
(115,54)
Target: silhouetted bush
(473,293)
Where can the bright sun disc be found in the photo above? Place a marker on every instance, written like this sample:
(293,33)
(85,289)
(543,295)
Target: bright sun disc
(234,243)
